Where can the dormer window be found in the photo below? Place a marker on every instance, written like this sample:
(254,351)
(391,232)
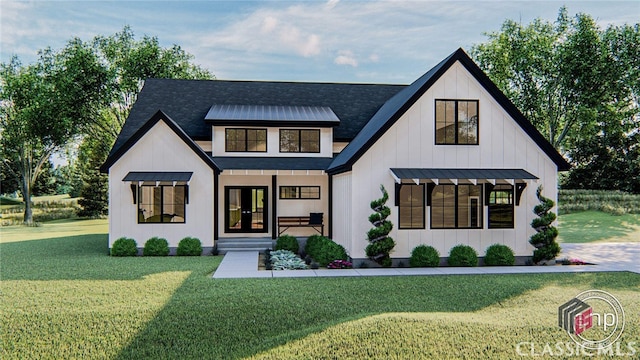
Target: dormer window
(246,140)
(456,122)
(298,140)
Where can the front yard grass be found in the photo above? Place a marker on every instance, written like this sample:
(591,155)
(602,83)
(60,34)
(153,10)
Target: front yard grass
(63,297)
(590,226)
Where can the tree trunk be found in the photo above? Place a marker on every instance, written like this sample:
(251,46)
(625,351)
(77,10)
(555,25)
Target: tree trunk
(26,196)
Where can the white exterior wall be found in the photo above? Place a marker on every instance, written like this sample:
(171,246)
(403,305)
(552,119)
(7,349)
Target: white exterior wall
(342,211)
(160,149)
(410,143)
(273,142)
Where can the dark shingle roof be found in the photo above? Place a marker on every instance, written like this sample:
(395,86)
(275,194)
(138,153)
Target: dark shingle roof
(189,101)
(272,163)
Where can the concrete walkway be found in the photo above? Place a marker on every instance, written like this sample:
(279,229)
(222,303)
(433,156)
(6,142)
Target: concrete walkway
(619,257)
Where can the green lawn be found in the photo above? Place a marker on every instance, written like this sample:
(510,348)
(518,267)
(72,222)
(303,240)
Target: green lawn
(62,297)
(590,226)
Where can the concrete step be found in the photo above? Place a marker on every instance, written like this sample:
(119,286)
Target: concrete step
(246,244)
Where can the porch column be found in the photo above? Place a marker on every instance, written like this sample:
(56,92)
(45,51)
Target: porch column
(274,206)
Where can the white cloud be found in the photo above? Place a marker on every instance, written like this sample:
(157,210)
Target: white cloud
(331,4)
(346,57)
(374,58)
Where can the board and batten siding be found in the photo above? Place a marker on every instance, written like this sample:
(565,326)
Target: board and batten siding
(410,143)
(342,211)
(160,149)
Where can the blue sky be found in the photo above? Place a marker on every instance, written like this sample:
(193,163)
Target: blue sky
(333,41)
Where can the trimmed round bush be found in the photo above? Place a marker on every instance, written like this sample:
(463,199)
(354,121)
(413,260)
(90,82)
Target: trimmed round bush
(324,250)
(498,254)
(287,242)
(463,255)
(424,256)
(124,247)
(156,247)
(189,246)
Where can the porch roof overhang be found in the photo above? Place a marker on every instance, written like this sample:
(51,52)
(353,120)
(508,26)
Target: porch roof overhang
(238,165)
(157,177)
(438,175)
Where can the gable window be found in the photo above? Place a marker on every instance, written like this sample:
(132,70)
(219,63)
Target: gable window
(456,122)
(456,207)
(501,209)
(161,204)
(300,192)
(297,140)
(246,140)
(411,206)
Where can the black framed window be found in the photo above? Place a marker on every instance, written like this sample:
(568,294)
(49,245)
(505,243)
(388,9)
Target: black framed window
(246,140)
(300,192)
(501,207)
(298,140)
(411,206)
(456,122)
(456,207)
(162,204)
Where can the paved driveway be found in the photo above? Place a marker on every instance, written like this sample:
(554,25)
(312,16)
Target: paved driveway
(622,256)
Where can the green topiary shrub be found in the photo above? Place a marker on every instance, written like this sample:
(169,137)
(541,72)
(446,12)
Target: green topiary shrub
(314,243)
(463,255)
(424,256)
(189,246)
(323,250)
(545,239)
(287,242)
(124,247)
(156,247)
(380,244)
(498,254)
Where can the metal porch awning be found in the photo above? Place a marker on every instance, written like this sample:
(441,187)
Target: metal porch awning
(437,175)
(158,176)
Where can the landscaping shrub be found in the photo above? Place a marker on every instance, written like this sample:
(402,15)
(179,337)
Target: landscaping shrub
(498,254)
(189,246)
(323,250)
(156,247)
(286,260)
(124,247)
(380,244)
(314,242)
(463,255)
(339,264)
(287,242)
(547,248)
(424,256)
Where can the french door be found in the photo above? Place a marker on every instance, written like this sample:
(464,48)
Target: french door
(245,209)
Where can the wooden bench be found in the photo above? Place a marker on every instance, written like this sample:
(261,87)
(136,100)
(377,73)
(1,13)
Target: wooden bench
(314,220)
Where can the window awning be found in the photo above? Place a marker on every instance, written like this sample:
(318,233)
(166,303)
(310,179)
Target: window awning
(158,176)
(438,175)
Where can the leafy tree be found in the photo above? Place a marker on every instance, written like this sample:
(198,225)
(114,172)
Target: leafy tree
(46,104)
(564,75)
(95,185)
(130,62)
(580,86)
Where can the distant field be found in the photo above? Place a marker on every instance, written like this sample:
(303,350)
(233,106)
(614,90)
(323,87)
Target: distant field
(590,226)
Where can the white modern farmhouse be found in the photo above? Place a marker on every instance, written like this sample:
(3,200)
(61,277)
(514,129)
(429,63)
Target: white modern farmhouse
(237,163)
